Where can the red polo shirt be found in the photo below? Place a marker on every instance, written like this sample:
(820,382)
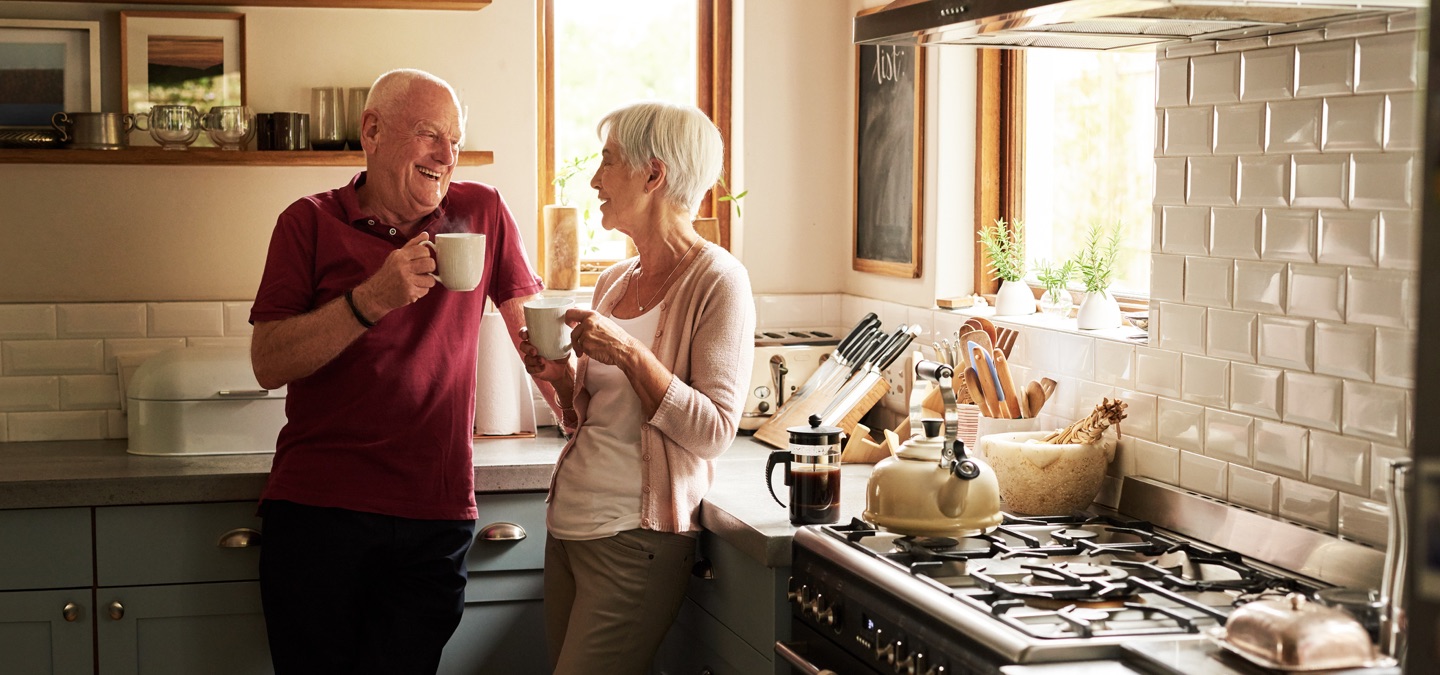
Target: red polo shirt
(385,427)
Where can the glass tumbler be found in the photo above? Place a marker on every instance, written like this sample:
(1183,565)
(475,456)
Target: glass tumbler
(354,109)
(327,118)
(229,127)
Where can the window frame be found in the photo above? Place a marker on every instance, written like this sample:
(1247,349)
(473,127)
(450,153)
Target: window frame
(1000,160)
(713,95)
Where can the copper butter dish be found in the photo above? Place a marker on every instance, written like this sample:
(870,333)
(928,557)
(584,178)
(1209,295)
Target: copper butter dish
(1294,634)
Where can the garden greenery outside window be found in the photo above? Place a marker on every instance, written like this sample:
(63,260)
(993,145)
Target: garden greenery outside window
(1071,144)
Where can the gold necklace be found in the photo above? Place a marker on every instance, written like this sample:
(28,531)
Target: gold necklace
(666,282)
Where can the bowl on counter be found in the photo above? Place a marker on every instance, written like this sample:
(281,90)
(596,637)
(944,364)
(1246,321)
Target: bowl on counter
(1046,479)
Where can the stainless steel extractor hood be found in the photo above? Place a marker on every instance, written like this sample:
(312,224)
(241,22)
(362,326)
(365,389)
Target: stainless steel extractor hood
(1102,24)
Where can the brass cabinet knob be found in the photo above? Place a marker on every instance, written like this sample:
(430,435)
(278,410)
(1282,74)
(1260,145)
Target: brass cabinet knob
(502,532)
(240,537)
(71,611)
(117,610)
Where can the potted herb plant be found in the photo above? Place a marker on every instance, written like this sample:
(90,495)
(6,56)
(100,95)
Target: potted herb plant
(562,229)
(1055,278)
(1005,247)
(1095,264)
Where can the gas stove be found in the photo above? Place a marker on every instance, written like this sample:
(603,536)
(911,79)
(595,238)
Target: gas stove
(1051,589)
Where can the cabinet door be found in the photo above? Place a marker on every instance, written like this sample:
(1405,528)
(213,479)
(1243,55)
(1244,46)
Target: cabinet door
(216,629)
(45,548)
(698,644)
(503,628)
(510,533)
(46,632)
(743,594)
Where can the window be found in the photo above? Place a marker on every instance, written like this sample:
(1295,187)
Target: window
(600,55)
(1072,145)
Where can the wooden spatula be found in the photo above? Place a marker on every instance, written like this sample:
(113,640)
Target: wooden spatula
(1034,398)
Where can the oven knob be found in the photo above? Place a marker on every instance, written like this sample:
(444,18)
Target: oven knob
(829,616)
(797,596)
(817,604)
(904,659)
(884,651)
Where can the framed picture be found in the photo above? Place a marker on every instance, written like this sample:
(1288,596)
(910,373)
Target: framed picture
(889,159)
(47,67)
(182,58)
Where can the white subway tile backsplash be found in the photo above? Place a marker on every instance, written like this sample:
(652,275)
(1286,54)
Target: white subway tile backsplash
(1317,292)
(1240,129)
(1172,82)
(1180,425)
(1282,449)
(1402,125)
(70,425)
(1167,277)
(1395,357)
(1348,237)
(1170,181)
(1376,412)
(181,319)
(1253,489)
(920,318)
(1184,230)
(1181,327)
(27,322)
(1354,123)
(1160,462)
(1286,342)
(1157,371)
(1267,74)
(1235,232)
(1207,281)
(1231,335)
(237,316)
(1364,520)
(1264,180)
(1339,462)
(1399,244)
(1321,181)
(1288,235)
(1260,286)
(1215,79)
(1227,436)
(1205,380)
(1212,181)
(1312,400)
(1078,355)
(1344,350)
(1293,126)
(110,320)
(1187,131)
(1382,457)
(1380,297)
(1324,68)
(89,392)
(1139,413)
(1382,181)
(1203,474)
(139,348)
(1308,504)
(1387,62)
(52,357)
(29,393)
(1115,363)
(1256,390)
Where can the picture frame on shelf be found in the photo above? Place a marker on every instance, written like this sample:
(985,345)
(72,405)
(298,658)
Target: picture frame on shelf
(182,58)
(47,67)
(889,160)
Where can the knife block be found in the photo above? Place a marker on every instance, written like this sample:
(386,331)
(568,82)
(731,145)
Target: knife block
(797,412)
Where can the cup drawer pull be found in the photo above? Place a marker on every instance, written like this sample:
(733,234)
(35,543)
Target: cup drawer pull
(243,393)
(502,532)
(240,537)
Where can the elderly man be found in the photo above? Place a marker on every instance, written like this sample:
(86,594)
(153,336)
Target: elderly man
(369,509)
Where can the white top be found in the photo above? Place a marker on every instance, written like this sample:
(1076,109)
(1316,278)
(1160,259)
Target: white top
(597,488)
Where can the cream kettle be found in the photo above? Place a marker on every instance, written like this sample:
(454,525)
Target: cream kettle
(930,487)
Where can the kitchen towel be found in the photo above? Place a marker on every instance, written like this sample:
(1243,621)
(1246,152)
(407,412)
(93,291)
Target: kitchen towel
(504,405)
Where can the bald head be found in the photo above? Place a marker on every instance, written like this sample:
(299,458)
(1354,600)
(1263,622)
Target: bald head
(393,89)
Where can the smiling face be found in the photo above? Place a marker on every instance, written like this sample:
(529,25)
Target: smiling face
(411,150)
(621,189)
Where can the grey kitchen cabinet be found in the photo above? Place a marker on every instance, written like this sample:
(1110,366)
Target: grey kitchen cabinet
(46,621)
(503,628)
(731,620)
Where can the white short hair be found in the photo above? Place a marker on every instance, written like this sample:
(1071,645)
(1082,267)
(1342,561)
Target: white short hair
(681,136)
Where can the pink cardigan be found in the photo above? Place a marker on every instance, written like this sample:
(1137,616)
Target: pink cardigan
(706,339)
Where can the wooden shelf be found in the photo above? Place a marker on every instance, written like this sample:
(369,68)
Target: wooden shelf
(467,5)
(210,157)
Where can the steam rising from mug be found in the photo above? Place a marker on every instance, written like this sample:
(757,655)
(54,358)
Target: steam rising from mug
(460,259)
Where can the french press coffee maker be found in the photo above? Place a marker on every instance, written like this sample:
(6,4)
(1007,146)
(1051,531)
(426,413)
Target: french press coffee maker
(812,470)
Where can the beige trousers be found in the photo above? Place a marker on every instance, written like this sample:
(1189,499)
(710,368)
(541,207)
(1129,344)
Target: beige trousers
(609,602)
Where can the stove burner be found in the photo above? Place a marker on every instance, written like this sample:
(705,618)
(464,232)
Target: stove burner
(1069,572)
(936,544)
(1069,535)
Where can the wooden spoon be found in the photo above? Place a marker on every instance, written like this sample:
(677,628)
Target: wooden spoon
(1007,385)
(1048,386)
(1034,397)
(987,380)
(977,392)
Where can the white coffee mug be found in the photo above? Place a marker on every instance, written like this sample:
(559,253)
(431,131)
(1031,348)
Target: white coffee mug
(545,318)
(460,259)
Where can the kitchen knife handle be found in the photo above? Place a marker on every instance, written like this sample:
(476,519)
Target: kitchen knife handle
(898,345)
(855,334)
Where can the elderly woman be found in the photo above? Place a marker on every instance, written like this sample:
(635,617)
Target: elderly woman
(652,397)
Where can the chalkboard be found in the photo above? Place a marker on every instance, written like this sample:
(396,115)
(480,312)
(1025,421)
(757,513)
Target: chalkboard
(889,145)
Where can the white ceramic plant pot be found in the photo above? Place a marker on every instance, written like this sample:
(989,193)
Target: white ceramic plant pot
(1014,299)
(1098,311)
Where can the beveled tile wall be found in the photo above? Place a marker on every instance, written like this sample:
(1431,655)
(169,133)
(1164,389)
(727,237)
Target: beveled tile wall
(59,378)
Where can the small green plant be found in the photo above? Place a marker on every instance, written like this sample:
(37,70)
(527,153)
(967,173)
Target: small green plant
(1005,247)
(732,197)
(567,171)
(1055,278)
(1095,263)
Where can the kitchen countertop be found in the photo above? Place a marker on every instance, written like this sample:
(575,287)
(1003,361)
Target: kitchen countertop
(57,474)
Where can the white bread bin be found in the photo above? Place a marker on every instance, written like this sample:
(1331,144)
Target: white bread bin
(202,401)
